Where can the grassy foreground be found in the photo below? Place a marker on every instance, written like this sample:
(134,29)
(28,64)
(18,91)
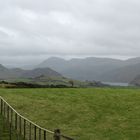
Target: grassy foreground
(5,133)
(85,114)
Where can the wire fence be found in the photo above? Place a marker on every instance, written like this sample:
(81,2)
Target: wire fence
(24,128)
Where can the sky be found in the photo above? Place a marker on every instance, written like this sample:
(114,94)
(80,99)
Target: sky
(33,30)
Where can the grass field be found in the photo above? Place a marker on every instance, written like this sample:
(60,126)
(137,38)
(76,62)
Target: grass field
(84,114)
(5,133)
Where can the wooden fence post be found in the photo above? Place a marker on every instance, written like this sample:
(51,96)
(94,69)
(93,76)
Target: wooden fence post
(10,131)
(8,113)
(39,134)
(11,117)
(1,106)
(20,127)
(30,131)
(35,132)
(4,109)
(16,121)
(24,133)
(44,135)
(57,135)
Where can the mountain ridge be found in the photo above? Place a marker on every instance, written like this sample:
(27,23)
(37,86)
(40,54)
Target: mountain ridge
(14,73)
(90,68)
(93,68)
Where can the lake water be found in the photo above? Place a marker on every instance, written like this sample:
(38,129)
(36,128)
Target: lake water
(116,84)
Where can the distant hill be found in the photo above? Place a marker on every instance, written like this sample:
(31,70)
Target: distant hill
(132,61)
(6,73)
(92,68)
(82,69)
(123,74)
(15,73)
(39,77)
(40,72)
(135,81)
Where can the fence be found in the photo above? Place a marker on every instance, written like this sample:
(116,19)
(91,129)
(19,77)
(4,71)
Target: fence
(26,129)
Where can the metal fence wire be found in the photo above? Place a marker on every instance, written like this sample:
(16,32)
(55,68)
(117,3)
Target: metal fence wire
(24,128)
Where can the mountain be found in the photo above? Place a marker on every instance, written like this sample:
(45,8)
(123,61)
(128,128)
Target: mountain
(39,77)
(40,72)
(82,69)
(6,73)
(17,73)
(132,61)
(136,81)
(92,68)
(123,74)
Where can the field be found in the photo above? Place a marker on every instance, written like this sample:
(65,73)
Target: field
(84,114)
(4,131)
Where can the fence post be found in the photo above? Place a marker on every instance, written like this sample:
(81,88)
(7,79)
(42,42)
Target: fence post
(10,131)
(4,109)
(57,135)
(8,113)
(20,127)
(39,134)
(44,135)
(24,133)
(11,117)
(1,106)
(16,121)
(30,131)
(35,132)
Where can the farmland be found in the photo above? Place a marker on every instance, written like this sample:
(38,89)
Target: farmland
(82,113)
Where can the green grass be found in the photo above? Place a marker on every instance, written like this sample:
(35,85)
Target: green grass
(53,80)
(5,131)
(85,114)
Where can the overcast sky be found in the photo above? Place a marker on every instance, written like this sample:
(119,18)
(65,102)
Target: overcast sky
(33,30)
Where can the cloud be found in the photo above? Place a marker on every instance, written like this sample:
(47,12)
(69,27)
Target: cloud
(68,27)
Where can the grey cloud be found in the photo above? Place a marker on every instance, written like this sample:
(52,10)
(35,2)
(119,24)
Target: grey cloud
(68,27)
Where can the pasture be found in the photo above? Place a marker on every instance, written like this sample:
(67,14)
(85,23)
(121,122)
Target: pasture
(82,113)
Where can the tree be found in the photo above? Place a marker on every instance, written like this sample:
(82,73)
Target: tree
(71,82)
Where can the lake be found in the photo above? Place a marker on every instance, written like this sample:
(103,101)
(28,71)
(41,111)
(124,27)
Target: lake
(116,84)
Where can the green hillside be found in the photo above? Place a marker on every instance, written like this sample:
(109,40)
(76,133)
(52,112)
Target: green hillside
(84,114)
